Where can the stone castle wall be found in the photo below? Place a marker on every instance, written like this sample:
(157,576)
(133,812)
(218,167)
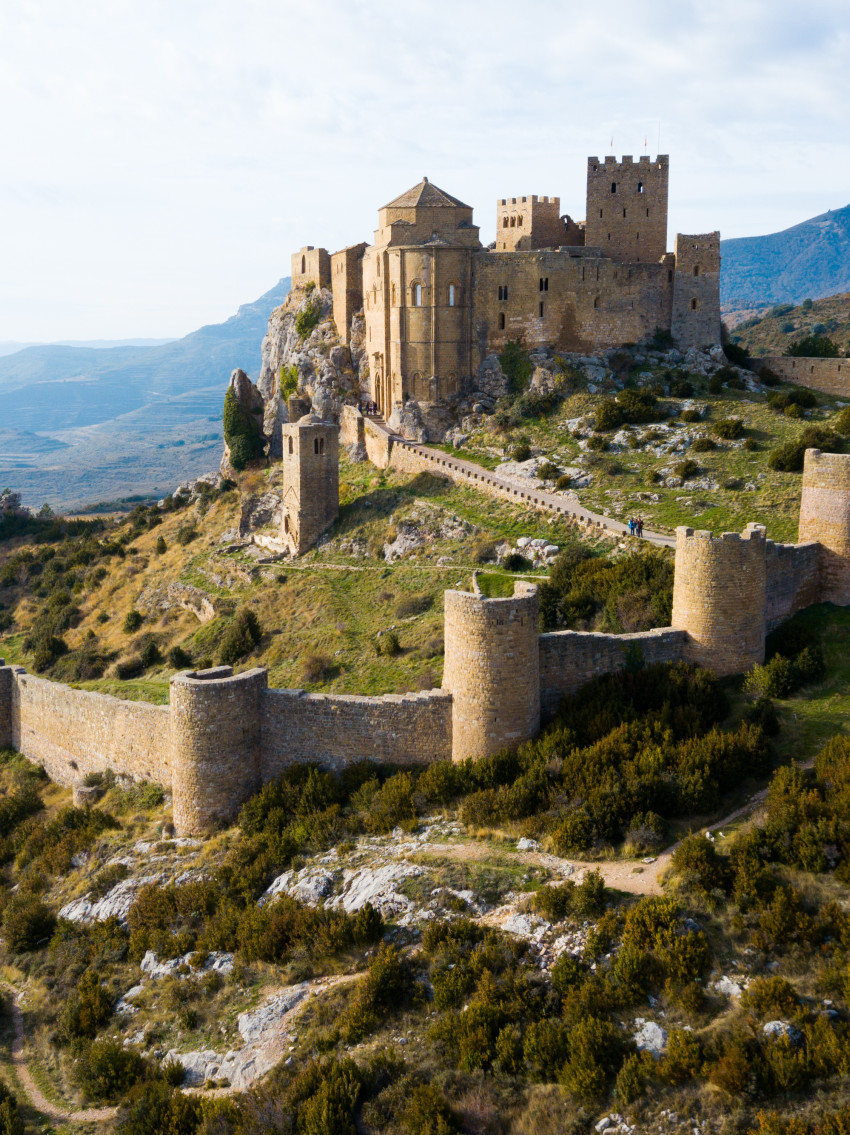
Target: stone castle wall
(627,207)
(825,518)
(831,376)
(340,729)
(792,580)
(75,732)
(571,659)
(695,321)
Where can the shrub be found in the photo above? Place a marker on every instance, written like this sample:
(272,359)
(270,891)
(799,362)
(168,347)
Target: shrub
(814,347)
(596,1047)
(150,655)
(690,416)
(598,444)
(161,546)
(736,354)
(699,865)
(515,561)
(28,924)
(132,621)
(521,452)
(89,1007)
(243,633)
(781,400)
(715,384)
(186,534)
(129,668)
(632,1078)
(728,428)
(686,469)
(703,445)
(307,319)
(179,659)
(789,457)
(427,1112)
(242,433)
(315,668)
(841,422)
(387,644)
(682,388)
(683,1058)
(10,1121)
(546,471)
(563,482)
(106,1070)
(412,605)
(770,997)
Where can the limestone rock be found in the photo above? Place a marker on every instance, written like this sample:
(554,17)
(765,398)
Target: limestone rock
(650,1037)
(250,402)
(218,962)
(114,904)
(781,1030)
(263,511)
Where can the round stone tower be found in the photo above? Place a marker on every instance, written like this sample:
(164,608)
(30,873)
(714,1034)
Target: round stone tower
(719,597)
(492,670)
(215,745)
(825,518)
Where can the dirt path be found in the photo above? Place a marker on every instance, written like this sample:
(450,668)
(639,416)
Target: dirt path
(635,876)
(36,1097)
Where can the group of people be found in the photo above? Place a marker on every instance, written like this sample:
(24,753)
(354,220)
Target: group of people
(369,408)
(635,526)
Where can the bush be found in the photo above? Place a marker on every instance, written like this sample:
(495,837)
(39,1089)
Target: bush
(28,924)
(129,668)
(10,1121)
(179,659)
(563,483)
(150,655)
(703,445)
(186,535)
(315,668)
(427,1112)
(633,1077)
(242,433)
(781,400)
(682,388)
(609,416)
(699,866)
(243,634)
(387,644)
(691,416)
(132,621)
(736,354)
(770,997)
(728,428)
(308,318)
(412,605)
(89,1007)
(161,546)
(106,1070)
(686,469)
(521,452)
(789,458)
(814,347)
(516,561)
(546,471)
(715,384)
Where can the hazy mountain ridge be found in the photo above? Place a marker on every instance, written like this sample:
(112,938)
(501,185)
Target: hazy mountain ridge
(808,260)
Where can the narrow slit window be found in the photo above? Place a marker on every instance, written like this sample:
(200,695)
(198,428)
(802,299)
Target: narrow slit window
(501,321)
(541,310)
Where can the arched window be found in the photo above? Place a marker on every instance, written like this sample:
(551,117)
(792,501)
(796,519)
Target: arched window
(696,269)
(416,294)
(416,376)
(452,295)
(513,222)
(290,445)
(519,221)
(613,187)
(303,265)
(501,321)
(640,187)
(500,292)
(624,212)
(505,222)
(694,305)
(596,301)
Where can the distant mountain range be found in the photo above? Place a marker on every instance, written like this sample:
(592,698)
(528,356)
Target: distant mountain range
(81,424)
(807,261)
(9,348)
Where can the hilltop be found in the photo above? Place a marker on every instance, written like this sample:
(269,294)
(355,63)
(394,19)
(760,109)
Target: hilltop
(808,260)
(774,331)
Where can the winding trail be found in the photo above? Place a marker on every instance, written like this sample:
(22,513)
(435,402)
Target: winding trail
(474,476)
(36,1097)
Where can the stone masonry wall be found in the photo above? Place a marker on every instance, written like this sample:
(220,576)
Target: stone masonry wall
(825,517)
(339,729)
(75,732)
(571,659)
(6,680)
(831,376)
(792,580)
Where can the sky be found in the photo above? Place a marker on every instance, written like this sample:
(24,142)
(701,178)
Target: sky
(161,159)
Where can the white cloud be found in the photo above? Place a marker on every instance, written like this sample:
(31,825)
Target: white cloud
(161,160)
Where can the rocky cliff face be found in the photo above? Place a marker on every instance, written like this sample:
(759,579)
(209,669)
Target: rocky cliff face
(328,373)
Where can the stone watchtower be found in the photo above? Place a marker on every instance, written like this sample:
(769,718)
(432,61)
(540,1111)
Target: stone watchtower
(492,669)
(719,597)
(695,320)
(310,481)
(825,518)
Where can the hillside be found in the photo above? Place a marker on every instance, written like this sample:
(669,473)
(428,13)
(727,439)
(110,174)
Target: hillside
(809,260)
(123,420)
(511,946)
(779,328)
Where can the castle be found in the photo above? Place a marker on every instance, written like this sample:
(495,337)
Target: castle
(225,734)
(436,303)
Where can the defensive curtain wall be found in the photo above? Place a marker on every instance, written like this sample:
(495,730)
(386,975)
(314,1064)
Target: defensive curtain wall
(223,735)
(831,376)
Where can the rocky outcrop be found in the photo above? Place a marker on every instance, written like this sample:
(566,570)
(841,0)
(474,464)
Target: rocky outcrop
(252,406)
(262,511)
(328,372)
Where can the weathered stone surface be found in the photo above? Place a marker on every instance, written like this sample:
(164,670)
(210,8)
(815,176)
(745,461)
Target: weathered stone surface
(115,904)
(263,511)
(649,1036)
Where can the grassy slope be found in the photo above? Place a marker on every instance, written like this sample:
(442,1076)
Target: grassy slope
(775,331)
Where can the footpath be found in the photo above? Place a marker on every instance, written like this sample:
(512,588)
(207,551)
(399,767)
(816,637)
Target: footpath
(493,484)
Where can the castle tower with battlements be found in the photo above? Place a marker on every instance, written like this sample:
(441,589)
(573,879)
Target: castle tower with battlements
(310,481)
